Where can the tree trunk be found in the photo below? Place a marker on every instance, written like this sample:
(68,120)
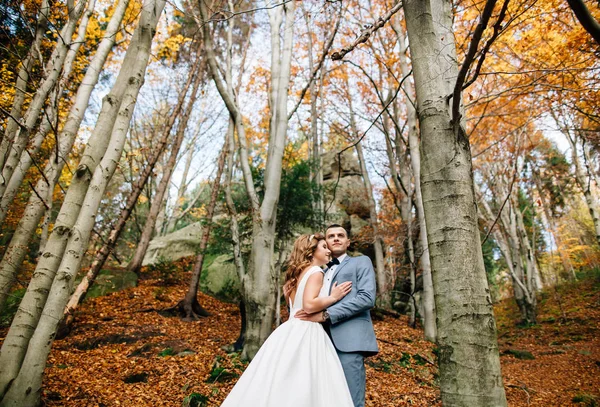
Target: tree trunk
(163,186)
(137,188)
(235,230)
(17,249)
(468,350)
(585,183)
(383,282)
(21,84)
(258,288)
(177,212)
(31,116)
(189,306)
(23,360)
(415,160)
(49,119)
(547,217)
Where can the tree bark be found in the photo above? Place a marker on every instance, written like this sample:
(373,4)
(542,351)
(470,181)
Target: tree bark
(24,359)
(468,351)
(415,160)
(235,230)
(161,190)
(17,248)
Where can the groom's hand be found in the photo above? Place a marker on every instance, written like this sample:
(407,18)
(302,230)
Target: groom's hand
(315,317)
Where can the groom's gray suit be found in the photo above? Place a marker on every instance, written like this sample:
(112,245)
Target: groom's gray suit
(350,325)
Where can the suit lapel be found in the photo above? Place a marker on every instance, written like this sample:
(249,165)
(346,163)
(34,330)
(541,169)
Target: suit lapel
(337,270)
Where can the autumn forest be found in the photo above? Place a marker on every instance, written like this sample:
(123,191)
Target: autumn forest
(159,158)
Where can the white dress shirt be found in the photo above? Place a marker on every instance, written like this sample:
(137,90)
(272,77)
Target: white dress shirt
(327,280)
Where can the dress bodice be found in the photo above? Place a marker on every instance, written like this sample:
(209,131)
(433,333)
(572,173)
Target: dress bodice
(297,304)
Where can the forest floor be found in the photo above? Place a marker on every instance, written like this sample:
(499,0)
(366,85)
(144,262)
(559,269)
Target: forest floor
(122,352)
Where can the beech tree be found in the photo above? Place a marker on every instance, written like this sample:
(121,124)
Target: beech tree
(469,360)
(258,286)
(27,344)
(38,202)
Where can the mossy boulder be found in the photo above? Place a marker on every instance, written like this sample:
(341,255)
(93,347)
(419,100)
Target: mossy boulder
(220,279)
(112,280)
(174,246)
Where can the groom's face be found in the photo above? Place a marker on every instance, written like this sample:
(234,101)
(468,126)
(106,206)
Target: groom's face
(337,241)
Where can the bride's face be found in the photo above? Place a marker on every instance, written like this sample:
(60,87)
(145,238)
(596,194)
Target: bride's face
(322,254)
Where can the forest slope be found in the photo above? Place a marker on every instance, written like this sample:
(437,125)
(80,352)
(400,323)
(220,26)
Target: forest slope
(123,352)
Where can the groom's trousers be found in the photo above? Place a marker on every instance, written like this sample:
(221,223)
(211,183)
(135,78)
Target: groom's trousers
(354,369)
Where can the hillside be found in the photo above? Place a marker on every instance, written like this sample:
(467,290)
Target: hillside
(123,352)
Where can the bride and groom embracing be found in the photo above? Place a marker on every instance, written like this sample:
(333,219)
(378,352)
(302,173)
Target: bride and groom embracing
(316,358)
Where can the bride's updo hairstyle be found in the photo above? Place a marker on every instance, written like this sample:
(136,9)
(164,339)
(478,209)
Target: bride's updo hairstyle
(300,258)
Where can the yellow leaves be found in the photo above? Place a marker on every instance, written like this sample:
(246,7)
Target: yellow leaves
(169,48)
(198,213)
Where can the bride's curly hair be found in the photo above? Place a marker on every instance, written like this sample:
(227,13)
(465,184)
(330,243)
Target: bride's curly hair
(300,258)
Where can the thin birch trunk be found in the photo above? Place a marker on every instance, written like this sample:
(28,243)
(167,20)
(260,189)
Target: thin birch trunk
(383,280)
(469,361)
(17,249)
(383,283)
(315,152)
(182,188)
(23,360)
(429,318)
(136,190)
(509,240)
(585,183)
(189,306)
(49,119)
(235,230)
(31,116)
(547,216)
(158,200)
(403,202)
(533,279)
(21,84)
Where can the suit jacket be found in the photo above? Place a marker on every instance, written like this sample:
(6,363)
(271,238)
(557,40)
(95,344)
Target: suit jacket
(351,327)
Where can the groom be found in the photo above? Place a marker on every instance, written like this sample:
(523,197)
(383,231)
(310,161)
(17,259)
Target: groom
(348,322)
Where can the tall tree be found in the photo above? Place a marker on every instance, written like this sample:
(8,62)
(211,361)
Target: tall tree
(37,203)
(258,285)
(189,307)
(27,344)
(469,359)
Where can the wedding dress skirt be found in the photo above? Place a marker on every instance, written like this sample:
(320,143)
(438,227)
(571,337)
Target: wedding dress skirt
(297,366)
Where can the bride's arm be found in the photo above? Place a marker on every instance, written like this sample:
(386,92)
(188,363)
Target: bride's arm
(311,302)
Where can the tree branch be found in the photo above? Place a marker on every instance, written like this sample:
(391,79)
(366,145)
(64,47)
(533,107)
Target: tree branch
(587,20)
(366,33)
(473,46)
(326,49)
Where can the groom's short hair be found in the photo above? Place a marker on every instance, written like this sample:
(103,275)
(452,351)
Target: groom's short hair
(335,225)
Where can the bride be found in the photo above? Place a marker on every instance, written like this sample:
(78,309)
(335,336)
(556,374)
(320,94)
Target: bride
(297,366)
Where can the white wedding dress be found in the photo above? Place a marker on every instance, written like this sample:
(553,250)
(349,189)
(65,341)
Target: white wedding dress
(297,366)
